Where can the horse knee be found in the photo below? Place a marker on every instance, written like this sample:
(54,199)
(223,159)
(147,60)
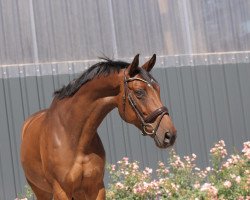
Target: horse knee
(59,193)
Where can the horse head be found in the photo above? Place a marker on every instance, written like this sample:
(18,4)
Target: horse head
(139,103)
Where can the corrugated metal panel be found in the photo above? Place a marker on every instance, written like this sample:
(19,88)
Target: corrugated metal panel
(62,30)
(15,32)
(208,102)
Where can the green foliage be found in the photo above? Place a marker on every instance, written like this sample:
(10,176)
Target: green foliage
(27,195)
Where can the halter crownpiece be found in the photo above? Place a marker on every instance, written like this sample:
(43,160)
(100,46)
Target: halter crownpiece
(145,122)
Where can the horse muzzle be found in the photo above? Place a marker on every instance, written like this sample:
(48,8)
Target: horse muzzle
(165,140)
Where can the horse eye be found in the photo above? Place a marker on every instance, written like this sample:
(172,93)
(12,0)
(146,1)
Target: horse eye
(140,93)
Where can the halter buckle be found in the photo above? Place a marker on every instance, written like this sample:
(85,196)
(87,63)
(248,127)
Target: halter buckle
(145,132)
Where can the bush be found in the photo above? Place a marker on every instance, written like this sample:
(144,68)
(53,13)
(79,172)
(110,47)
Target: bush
(181,179)
(27,195)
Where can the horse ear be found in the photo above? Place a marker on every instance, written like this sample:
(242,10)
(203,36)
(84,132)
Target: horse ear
(133,67)
(150,64)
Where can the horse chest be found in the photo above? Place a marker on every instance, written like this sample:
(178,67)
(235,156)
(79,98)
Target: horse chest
(87,171)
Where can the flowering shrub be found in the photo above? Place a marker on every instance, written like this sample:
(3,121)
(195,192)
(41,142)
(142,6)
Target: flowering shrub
(181,179)
(28,194)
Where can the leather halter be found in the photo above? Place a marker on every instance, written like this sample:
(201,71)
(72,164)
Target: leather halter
(145,121)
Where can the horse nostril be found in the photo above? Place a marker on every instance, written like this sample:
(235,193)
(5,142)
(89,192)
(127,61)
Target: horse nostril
(168,137)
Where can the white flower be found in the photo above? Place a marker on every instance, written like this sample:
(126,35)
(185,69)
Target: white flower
(227,184)
(207,187)
(119,185)
(21,199)
(197,169)
(232,175)
(208,169)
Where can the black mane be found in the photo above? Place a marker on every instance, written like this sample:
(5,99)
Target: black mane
(104,68)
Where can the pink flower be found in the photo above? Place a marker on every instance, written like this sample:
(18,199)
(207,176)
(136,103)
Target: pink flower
(238,179)
(233,160)
(112,167)
(135,166)
(187,158)
(138,190)
(147,171)
(197,185)
(125,158)
(177,163)
(219,149)
(161,164)
(227,184)
(246,149)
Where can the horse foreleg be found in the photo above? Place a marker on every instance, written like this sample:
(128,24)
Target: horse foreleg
(101,194)
(59,193)
(95,193)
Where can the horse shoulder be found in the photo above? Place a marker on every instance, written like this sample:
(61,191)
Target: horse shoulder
(31,119)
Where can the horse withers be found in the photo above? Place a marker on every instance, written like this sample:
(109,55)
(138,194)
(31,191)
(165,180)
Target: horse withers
(61,153)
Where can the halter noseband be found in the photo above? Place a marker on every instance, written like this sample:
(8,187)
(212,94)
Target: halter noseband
(145,121)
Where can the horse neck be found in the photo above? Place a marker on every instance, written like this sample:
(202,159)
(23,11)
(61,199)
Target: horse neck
(82,114)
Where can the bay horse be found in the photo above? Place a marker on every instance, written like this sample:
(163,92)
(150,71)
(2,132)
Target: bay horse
(61,153)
